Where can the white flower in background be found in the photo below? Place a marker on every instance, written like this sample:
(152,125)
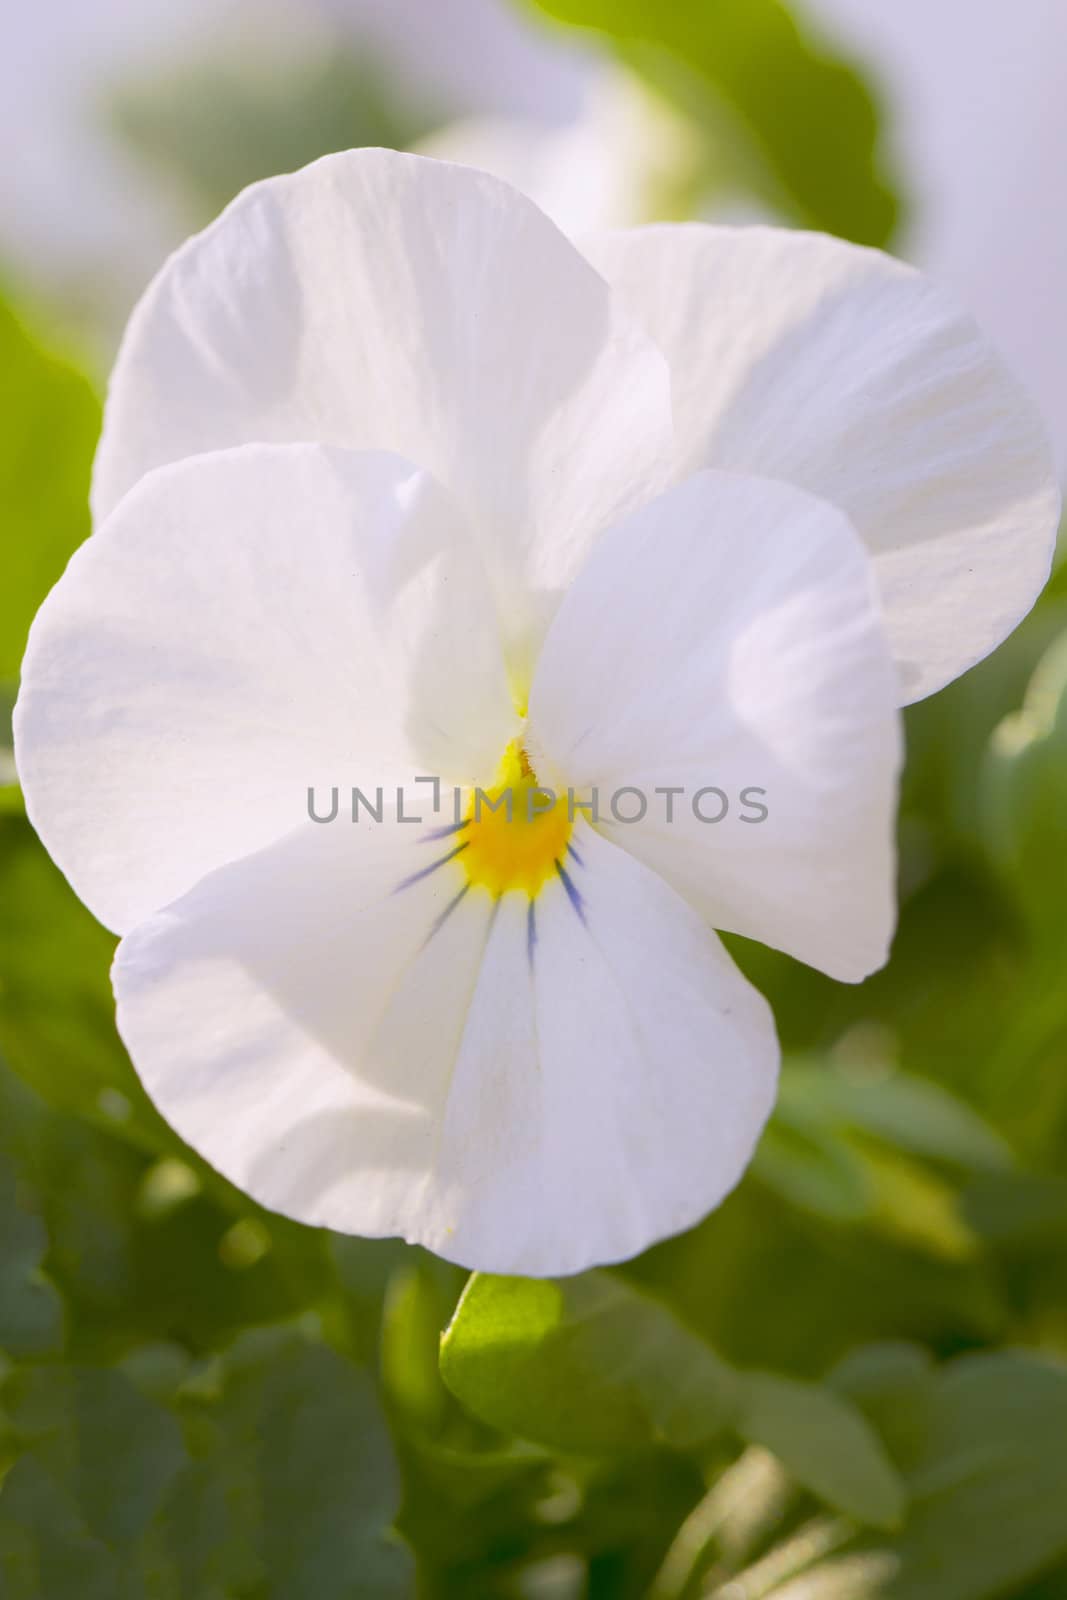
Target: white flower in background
(627,158)
(392,483)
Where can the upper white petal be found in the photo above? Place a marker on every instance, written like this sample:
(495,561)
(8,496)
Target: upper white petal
(728,636)
(384,1059)
(389,302)
(244,626)
(845,372)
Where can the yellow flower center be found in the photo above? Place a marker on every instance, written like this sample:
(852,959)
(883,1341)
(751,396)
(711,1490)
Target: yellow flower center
(516,835)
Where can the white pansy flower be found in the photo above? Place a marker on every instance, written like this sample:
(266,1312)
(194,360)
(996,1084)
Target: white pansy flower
(393,485)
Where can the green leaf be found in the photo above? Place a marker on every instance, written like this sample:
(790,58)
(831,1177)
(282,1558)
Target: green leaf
(57,1012)
(826,1444)
(416,1309)
(466,1493)
(461,1505)
(298,1434)
(993,1458)
(45,1548)
(115,1452)
(130,1266)
(908,1112)
(747,1505)
(31,1312)
(1018,1210)
(986,1466)
(1024,795)
(269,1473)
(801,124)
(808,1167)
(731,1277)
(97,1462)
(585,1365)
(891,1384)
(844,1146)
(49,422)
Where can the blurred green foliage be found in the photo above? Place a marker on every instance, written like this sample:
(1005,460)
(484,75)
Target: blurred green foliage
(848,1383)
(216,124)
(783,118)
(51,419)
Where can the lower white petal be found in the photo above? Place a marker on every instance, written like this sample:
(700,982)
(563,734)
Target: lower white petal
(522,1086)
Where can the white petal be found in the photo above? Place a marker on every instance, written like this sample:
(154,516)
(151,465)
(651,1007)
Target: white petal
(295,1018)
(247,625)
(389,302)
(728,636)
(396,1061)
(842,371)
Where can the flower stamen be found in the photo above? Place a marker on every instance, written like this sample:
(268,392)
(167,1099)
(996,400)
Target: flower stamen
(517,833)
